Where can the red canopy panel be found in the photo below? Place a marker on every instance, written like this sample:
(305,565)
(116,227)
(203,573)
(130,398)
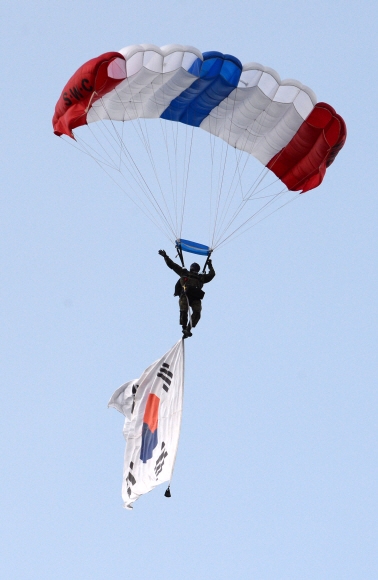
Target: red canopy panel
(90,82)
(302,163)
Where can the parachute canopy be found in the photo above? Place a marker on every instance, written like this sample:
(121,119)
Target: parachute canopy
(248,107)
(278,122)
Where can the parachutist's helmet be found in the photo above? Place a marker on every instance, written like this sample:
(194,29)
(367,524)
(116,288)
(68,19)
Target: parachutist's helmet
(195,267)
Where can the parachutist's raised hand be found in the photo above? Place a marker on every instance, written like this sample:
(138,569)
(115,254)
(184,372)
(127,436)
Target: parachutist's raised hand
(162,253)
(209,263)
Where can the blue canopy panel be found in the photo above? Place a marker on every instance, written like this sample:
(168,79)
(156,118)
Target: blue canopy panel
(193,247)
(219,75)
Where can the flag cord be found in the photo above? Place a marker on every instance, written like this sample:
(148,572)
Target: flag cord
(168,490)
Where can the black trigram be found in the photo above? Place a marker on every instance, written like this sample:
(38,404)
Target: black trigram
(134,390)
(160,460)
(130,478)
(164,374)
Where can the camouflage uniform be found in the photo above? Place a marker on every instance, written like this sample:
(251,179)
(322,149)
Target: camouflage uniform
(190,279)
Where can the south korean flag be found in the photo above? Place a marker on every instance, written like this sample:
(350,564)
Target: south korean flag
(152,406)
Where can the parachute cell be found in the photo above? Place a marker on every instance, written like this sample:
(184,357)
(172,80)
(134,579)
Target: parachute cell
(95,78)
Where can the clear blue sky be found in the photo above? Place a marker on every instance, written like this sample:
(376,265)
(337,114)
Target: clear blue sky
(276,476)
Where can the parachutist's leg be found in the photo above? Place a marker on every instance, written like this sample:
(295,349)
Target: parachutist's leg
(183,305)
(196,314)
(183,318)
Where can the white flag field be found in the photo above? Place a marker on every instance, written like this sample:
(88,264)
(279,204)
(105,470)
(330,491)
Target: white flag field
(152,406)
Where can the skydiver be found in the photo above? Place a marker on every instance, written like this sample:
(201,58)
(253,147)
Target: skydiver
(191,293)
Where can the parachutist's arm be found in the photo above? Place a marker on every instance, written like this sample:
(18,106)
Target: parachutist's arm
(171,264)
(208,277)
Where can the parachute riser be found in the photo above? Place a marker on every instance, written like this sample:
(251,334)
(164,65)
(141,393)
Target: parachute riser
(179,253)
(207,260)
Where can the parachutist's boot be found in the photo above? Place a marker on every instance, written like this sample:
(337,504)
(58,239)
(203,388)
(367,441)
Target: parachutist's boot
(186,332)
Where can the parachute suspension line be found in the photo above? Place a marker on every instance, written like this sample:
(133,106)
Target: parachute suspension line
(212,138)
(153,162)
(224,169)
(242,205)
(218,195)
(164,129)
(137,170)
(139,133)
(170,141)
(254,189)
(174,140)
(238,184)
(254,185)
(145,211)
(231,196)
(212,142)
(144,139)
(257,212)
(238,157)
(253,196)
(165,137)
(186,181)
(185,167)
(220,189)
(153,165)
(120,149)
(227,201)
(134,177)
(113,165)
(83,147)
(102,128)
(232,237)
(224,212)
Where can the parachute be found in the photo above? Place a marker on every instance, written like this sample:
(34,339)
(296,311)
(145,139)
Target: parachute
(247,111)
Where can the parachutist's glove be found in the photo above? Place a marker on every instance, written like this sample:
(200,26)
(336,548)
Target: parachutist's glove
(163,253)
(210,263)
